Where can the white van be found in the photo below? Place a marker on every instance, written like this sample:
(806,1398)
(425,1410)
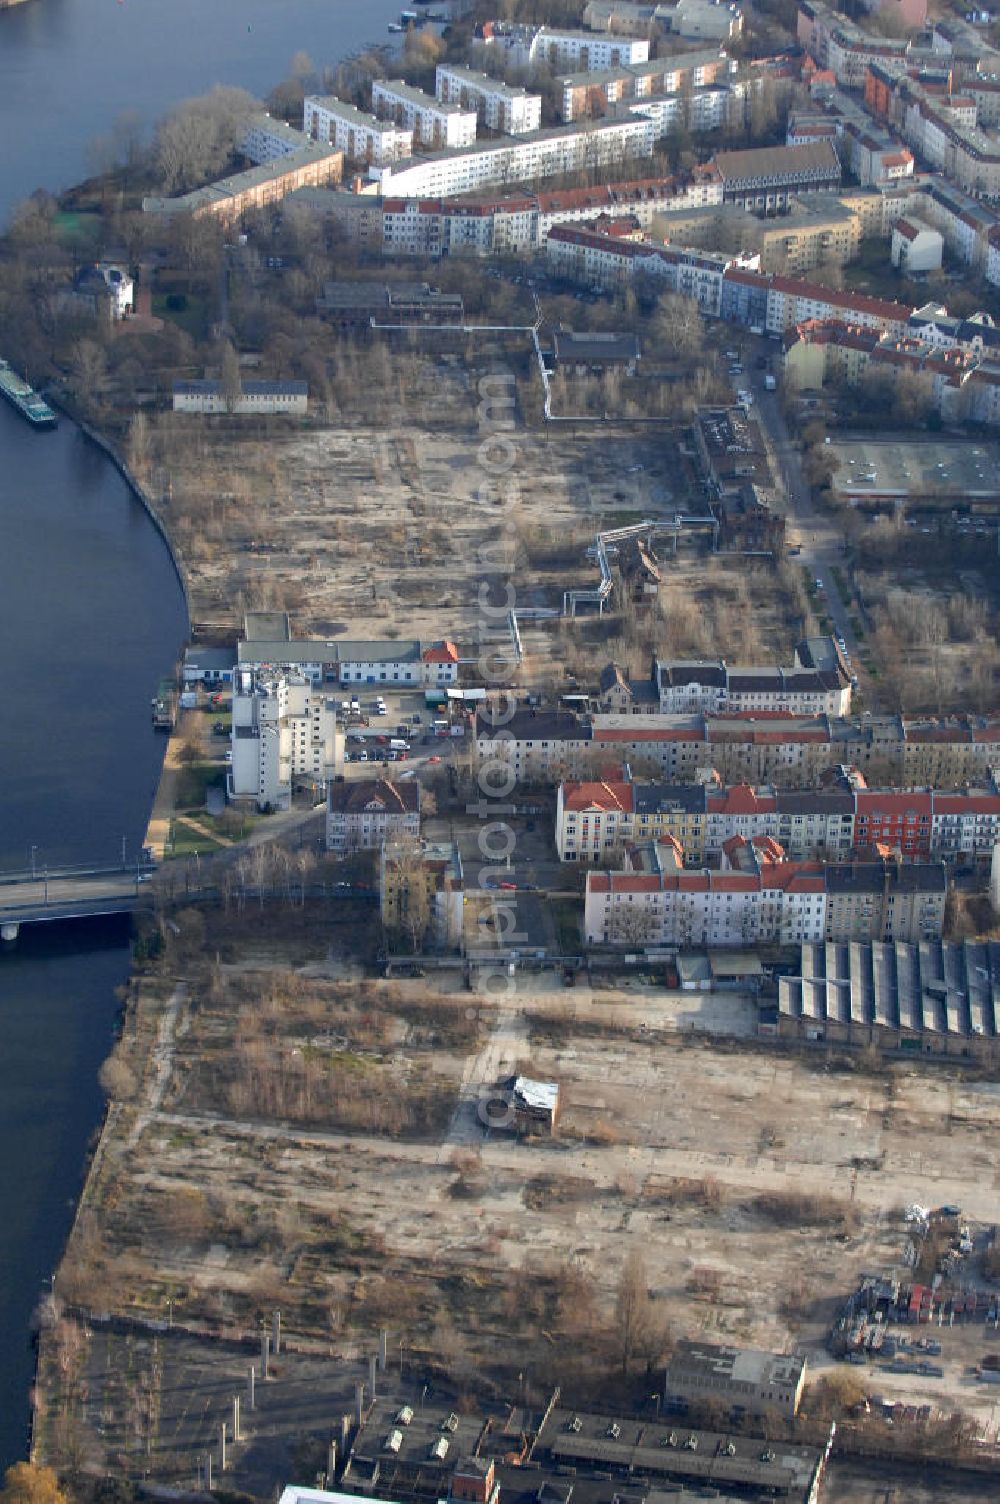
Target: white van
(396,744)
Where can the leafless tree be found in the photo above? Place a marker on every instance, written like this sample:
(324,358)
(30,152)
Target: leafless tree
(197,140)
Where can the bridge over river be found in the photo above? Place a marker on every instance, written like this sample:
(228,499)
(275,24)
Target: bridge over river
(67,893)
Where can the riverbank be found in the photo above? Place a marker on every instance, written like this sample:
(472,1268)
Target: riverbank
(110,450)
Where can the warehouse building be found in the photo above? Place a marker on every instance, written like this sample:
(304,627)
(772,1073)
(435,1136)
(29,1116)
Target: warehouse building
(743,1378)
(649,1458)
(935,998)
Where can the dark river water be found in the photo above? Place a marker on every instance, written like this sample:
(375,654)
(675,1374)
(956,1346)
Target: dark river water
(91,613)
(68,67)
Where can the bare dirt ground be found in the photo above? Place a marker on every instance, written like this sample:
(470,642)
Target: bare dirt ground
(315,1144)
(378,527)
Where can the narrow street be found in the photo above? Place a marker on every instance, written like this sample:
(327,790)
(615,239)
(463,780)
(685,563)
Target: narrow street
(808,529)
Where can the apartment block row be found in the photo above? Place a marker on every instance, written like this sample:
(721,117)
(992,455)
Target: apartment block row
(715,107)
(519,220)
(432,122)
(597,819)
(284,161)
(818,682)
(588,94)
(548,153)
(360,136)
(544,746)
(947,122)
(547,47)
(607,259)
(418,146)
(959,384)
(728,287)
(504,222)
(840,45)
(760,897)
(501,107)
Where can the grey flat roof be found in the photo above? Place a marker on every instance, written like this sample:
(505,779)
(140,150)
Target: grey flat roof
(663,1450)
(595,346)
(329,650)
(213,658)
(418,97)
(350,113)
(486,83)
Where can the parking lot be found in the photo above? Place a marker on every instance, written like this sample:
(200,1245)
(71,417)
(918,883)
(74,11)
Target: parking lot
(383,726)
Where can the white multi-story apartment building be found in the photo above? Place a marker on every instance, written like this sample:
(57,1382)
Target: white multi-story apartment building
(284,729)
(584,50)
(598,259)
(361,814)
(499,106)
(433,122)
(551,153)
(361,137)
(268,138)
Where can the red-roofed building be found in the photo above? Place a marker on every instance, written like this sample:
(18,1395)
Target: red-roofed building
(901,820)
(440,663)
(764,900)
(759,897)
(593,820)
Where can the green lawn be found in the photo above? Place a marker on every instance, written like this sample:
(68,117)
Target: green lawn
(187,842)
(193,317)
(192,782)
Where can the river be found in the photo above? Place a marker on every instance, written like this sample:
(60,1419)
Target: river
(69,67)
(91,613)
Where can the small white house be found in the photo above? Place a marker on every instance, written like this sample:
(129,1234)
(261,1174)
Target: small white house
(916,247)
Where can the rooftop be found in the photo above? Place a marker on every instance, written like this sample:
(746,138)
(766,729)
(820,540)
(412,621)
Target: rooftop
(350,113)
(377,795)
(645,1450)
(777,161)
(418,97)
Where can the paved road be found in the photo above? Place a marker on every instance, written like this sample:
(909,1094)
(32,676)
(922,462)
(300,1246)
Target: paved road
(818,536)
(57,897)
